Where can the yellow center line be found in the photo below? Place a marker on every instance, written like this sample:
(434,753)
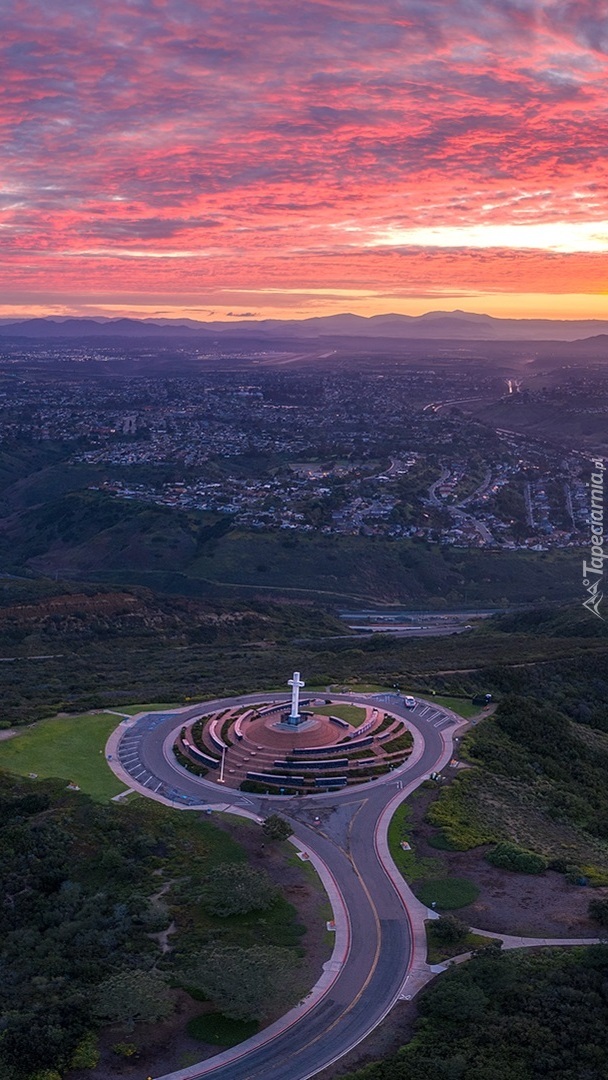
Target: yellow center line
(373,967)
(374,964)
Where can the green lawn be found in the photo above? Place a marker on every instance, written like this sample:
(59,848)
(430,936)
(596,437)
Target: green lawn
(132,710)
(407,862)
(427,876)
(462,706)
(351,713)
(221,1030)
(446,893)
(68,747)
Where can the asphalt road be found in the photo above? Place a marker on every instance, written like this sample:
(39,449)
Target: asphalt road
(371,977)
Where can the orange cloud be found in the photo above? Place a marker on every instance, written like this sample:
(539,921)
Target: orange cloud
(397,148)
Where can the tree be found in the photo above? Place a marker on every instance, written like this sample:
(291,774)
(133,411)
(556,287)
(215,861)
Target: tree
(133,997)
(449,930)
(235,889)
(244,984)
(598,910)
(454,1003)
(276,827)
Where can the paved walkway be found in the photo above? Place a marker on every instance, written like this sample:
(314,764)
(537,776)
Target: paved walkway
(509,941)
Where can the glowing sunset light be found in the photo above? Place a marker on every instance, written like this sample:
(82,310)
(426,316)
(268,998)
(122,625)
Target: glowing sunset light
(309,158)
(547,236)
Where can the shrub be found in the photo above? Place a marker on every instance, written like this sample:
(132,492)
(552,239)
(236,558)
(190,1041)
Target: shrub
(596,877)
(402,742)
(235,889)
(245,984)
(86,1054)
(509,856)
(443,842)
(126,1050)
(456,813)
(598,910)
(448,930)
(575,876)
(193,766)
(560,865)
(131,997)
(276,828)
(220,1030)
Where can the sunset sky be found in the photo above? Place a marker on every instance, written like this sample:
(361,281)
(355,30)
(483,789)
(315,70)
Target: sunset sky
(288,158)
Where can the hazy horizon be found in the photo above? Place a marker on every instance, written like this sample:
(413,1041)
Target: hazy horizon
(247,317)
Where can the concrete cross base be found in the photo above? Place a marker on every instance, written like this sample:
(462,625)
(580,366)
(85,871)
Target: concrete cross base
(303,723)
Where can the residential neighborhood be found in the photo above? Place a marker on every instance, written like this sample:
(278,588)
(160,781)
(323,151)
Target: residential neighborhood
(353,454)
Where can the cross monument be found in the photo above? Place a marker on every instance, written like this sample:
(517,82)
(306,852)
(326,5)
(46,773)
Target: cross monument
(296,685)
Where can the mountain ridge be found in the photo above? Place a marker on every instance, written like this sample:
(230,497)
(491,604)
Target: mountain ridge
(433,325)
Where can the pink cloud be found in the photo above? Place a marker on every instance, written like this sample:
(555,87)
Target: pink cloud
(252,143)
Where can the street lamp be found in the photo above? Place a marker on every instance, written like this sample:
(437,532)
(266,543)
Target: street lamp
(220,778)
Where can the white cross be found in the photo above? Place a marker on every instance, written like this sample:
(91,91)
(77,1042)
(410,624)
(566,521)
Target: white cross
(296,684)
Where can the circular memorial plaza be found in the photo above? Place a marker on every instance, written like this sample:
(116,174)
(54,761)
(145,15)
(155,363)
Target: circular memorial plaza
(306,746)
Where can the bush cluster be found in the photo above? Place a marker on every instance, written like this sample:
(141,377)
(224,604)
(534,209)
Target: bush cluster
(509,856)
(457,815)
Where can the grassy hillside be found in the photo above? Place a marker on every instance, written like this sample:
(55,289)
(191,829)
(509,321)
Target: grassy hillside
(84,533)
(19,461)
(539,780)
(76,647)
(79,646)
(409,572)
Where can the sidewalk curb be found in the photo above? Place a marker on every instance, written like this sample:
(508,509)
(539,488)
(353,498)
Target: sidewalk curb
(418,972)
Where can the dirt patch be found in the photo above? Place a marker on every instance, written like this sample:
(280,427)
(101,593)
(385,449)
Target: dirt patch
(163,1047)
(531,905)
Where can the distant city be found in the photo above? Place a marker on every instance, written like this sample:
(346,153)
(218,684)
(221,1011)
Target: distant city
(392,455)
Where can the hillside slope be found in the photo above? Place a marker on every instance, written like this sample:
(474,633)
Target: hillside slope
(89,533)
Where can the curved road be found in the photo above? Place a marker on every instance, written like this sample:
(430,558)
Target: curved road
(373,973)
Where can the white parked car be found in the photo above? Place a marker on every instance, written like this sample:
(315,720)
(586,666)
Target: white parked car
(410,702)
